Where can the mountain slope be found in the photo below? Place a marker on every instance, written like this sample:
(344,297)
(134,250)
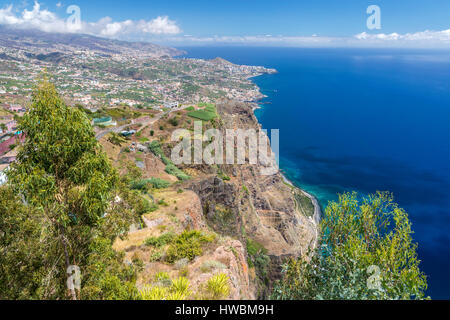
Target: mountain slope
(42,42)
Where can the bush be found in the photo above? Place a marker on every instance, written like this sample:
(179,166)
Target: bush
(162,240)
(174,121)
(218,287)
(115,139)
(365,252)
(163,279)
(175,171)
(187,245)
(258,258)
(156,256)
(181,286)
(155,148)
(143,206)
(143,184)
(178,290)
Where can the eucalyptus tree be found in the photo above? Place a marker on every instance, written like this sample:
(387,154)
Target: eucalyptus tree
(68,202)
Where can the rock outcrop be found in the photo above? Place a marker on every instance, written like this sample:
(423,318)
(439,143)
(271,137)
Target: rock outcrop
(265,208)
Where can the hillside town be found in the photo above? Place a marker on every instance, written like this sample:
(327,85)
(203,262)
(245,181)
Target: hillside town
(114,90)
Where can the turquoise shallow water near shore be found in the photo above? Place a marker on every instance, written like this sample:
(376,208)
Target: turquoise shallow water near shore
(364,120)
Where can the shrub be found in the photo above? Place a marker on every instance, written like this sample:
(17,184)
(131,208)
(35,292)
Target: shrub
(175,171)
(115,139)
(155,148)
(178,290)
(142,206)
(218,287)
(174,121)
(258,258)
(187,245)
(163,279)
(161,241)
(366,251)
(143,184)
(153,293)
(181,286)
(156,256)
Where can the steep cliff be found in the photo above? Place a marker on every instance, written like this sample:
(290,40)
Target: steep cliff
(258,218)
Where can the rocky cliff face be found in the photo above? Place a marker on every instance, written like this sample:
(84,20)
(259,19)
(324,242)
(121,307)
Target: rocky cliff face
(265,208)
(259,219)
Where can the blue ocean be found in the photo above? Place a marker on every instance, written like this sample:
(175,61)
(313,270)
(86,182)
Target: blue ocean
(364,120)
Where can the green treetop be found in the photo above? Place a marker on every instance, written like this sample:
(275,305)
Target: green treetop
(65,201)
(366,251)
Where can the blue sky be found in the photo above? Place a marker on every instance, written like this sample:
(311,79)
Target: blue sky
(197,21)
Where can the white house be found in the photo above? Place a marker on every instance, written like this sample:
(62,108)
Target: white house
(171,105)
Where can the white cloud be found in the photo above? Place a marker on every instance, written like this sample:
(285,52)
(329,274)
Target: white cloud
(425,39)
(162,29)
(45,20)
(160,25)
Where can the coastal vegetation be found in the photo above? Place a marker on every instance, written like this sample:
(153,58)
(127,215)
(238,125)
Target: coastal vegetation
(171,169)
(64,205)
(366,251)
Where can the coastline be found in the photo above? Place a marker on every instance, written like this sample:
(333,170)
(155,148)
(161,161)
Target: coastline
(256,105)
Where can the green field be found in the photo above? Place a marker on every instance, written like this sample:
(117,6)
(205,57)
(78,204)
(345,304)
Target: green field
(208,113)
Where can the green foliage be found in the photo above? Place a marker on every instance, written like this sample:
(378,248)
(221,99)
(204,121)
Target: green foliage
(105,276)
(142,205)
(223,176)
(258,258)
(156,255)
(178,290)
(188,245)
(175,171)
(359,237)
(207,114)
(163,279)
(218,287)
(181,286)
(162,240)
(115,139)
(153,293)
(155,148)
(174,121)
(70,216)
(143,185)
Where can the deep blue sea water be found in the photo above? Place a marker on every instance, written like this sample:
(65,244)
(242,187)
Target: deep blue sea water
(365,120)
